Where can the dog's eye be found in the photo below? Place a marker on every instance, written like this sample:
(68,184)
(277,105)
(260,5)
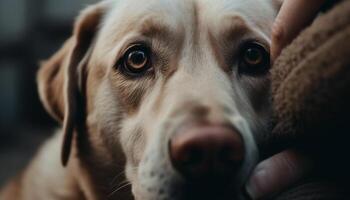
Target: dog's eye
(136,60)
(254,59)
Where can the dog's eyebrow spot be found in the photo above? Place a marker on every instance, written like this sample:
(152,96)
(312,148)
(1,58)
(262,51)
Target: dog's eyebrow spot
(152,27)
(167,39)
(234,27)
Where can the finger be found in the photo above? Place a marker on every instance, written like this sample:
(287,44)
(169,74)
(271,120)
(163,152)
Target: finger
(277,173)
(293,16)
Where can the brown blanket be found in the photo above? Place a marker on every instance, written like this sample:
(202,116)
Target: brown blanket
(311,79)
(311,95)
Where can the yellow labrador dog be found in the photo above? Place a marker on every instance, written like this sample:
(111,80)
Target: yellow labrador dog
(169,97)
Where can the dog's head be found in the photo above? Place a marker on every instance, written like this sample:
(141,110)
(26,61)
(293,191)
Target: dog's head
(177,88)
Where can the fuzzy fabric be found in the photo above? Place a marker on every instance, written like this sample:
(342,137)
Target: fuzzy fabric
(311,78)
(311,96)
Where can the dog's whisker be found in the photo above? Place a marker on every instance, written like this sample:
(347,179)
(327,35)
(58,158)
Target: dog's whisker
(116,177)
(118,185)
(119,188)
(113,181)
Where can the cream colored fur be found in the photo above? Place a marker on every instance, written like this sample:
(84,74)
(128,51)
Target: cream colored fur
(112,124)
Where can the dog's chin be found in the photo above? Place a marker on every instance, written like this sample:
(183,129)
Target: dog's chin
(190,191)
(204,195)
(208,193)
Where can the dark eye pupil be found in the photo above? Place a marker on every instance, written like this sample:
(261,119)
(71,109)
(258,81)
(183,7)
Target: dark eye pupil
(254,59)
(137,58)
(136,61)
(253,56)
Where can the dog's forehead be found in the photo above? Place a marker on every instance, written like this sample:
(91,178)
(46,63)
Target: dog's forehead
(256,11)
(130,17)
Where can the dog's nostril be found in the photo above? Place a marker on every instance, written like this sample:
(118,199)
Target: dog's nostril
(192,157)
(231,154)
(207,151)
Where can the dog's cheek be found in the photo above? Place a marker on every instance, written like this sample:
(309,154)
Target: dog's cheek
(257,108)
(104,119)
(133,140)
(130,92)
(134,146)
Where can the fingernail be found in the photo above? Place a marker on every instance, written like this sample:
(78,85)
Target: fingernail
(254,187)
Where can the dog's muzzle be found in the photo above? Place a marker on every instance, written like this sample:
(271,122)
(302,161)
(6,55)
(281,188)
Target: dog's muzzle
(207,156)
(203,152)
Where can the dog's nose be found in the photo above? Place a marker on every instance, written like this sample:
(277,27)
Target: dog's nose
(207,151)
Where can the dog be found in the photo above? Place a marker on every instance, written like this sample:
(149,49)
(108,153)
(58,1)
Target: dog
(158,99)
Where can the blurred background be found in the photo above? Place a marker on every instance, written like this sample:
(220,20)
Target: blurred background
(30,31)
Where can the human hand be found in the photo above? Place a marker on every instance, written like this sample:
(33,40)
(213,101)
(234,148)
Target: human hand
(278,173)
(293,16)
(282,170)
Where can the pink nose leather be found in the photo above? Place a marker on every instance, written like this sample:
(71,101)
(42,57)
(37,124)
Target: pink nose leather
(209,150)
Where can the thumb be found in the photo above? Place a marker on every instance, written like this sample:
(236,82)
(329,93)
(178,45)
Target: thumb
(293,16)
(277,174)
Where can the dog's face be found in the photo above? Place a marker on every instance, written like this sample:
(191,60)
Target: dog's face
(179,88)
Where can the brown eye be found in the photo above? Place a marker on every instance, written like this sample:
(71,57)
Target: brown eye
(136,60)
(254,59)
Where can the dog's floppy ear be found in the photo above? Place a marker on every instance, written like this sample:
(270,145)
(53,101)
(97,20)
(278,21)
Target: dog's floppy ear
(59,78)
